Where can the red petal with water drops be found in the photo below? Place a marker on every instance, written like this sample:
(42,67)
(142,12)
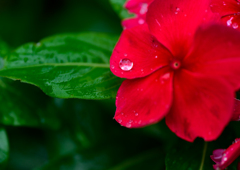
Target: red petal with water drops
(228,156)
(140,8)
(144,101)
(138,54)
(232,21)
(174,22)
(225,7)
(215,52)
(236,111)
(202,106)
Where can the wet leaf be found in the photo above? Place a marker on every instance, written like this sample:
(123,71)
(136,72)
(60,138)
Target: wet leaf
(66,66)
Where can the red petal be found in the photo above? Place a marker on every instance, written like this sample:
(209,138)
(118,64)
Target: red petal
(236,111)
(232,21)
(174,22)
(144,101)
(202,106)
(133,22)
(225,7)
(215,52)
(140,8)
(142,50)
(229,155)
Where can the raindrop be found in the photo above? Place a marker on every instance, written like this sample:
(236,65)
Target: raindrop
(119,120)
(166,76)
(229,22)
(141,70)
(177,10)
(125,55)
(126,64)
(112,67)
(158,22)
(156,56)
(225,159)
(136,114)
(224,3)
(141,21)
(144,8)
(38,44)
(128,125)
(235,25)
(130,121)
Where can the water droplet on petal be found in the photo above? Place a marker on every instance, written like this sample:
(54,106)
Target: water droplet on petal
(141,21)
(112,66)
(136,114)
(235,25)
(139,122)
(166,76)
(156,56)
(144,8)
(119,120)
(224,3)
(130,121)
(177,10)
(128,125)
(229,22)
(126,64)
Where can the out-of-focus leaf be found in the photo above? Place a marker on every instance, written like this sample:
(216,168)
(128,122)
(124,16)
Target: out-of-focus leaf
(108,158)
(27,148)
(25,105)
(67,66)
(196,155)
(84,120)
(118,6)
(4,148)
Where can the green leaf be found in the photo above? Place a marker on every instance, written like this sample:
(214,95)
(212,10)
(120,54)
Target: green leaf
(108,158)
(66,66)
(27,148)
(22,104)
(118,6)
(25,105)
(4,148)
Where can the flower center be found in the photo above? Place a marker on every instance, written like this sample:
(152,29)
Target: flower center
(175,64)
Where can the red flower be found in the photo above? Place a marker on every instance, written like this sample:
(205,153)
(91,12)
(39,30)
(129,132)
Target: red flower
(138,7)
(224,157)
(181,69)
(236,112)
(229,11)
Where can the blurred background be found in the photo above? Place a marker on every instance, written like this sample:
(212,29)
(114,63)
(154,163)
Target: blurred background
(38,132)
(43,133)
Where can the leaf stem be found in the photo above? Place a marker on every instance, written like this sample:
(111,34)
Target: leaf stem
(203,156)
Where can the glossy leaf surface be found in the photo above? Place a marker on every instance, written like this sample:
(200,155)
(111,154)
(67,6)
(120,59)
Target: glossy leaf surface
(66,66)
